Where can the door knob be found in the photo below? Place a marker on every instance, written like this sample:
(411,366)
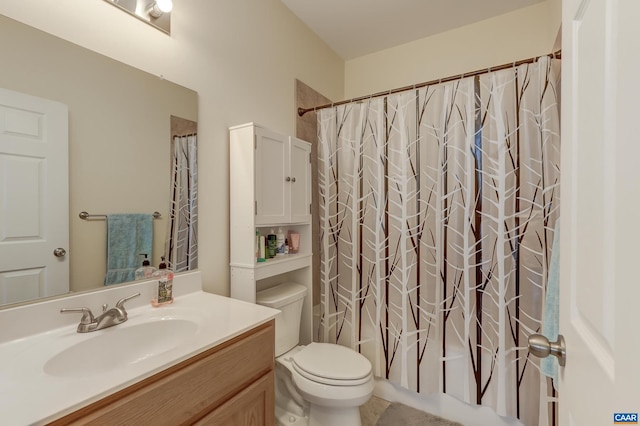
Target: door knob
(293,179)
(59,252)
(288,179)
(541,347)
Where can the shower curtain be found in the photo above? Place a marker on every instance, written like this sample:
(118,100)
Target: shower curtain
(182,235)
(437,211)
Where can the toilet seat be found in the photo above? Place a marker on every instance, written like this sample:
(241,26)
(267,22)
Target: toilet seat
(331,364)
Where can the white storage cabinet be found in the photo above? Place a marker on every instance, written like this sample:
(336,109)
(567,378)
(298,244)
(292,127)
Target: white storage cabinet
(270,188)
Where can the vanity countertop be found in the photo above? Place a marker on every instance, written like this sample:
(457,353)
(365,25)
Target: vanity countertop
(33,393)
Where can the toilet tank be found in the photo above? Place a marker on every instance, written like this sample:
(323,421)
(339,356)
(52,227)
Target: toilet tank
(288,298)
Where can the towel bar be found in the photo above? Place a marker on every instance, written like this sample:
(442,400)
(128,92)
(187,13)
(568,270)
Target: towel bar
(87,216)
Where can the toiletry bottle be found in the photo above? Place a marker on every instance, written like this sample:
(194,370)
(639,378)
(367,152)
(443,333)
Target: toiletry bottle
(294,242)
(165,285)
(262,249)
(146,270)
(272,244)
(286,246)
(280,242)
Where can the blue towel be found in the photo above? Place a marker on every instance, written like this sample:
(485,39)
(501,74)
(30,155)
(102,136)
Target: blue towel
(549,365)
(128,235)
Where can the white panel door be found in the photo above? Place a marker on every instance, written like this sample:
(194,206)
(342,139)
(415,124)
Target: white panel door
(300,181)
(34,206)
(600,236)
(272,171)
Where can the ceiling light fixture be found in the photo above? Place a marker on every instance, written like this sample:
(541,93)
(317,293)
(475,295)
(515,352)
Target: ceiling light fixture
(158,7)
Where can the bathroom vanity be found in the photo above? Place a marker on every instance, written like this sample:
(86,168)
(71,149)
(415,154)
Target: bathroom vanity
(230,384)
(205,359)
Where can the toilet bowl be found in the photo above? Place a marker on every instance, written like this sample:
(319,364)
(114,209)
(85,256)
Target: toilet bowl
(320,384)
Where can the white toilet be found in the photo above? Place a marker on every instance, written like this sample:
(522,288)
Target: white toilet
(320,384)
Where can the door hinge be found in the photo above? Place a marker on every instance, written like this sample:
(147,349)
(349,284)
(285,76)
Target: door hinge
(309,208)
(309,158)
(255,141)
(255,204)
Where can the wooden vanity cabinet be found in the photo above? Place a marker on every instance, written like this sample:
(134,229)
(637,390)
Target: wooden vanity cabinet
(230,384)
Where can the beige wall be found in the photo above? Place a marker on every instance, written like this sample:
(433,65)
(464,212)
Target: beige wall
(241,56)
(555,23)
(522,34)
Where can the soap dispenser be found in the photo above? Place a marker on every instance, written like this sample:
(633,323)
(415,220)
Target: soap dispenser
(165,285)
(146,270)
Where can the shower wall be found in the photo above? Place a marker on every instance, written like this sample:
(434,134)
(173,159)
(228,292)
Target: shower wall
(307,129)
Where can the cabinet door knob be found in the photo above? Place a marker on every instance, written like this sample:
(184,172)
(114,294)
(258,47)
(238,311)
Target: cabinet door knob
(293,179)
(288,179)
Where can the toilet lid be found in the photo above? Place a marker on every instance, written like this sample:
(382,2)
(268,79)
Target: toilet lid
(332,362)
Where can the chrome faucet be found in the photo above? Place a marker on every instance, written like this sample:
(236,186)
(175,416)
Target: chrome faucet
(108,318)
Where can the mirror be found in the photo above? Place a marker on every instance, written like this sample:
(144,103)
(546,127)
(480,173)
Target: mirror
(119,136)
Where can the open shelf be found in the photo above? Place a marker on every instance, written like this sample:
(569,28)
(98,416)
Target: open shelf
(278,265)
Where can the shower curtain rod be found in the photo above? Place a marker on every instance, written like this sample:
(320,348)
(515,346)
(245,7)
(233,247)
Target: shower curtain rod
(557,55)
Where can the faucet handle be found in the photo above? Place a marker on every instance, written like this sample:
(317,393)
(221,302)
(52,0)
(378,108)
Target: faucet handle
(87,315)
(120,303)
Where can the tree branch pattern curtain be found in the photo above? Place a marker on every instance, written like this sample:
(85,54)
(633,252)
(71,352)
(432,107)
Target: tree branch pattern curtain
(437,210)
(182,235)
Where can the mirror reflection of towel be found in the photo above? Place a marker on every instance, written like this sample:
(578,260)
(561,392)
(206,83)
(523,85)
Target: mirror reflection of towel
(128,235)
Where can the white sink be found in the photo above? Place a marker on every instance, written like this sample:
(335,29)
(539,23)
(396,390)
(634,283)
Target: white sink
(120,346)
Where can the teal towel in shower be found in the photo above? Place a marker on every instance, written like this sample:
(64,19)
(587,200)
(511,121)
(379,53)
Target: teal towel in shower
(550,321)
(128,235)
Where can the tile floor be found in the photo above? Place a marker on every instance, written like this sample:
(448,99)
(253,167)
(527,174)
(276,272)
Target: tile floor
(371,411)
